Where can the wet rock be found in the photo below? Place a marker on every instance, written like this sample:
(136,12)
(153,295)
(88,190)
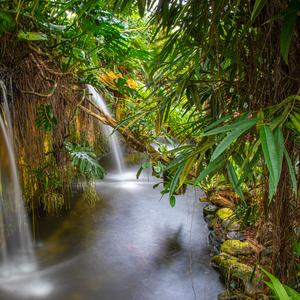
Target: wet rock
(235,235)
(214,242)
(230,267)
(209,210)
(236,248)
(208,219)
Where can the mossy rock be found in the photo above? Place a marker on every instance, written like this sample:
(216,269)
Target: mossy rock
(236,247)
(232,269)
(226,217)
(224,213)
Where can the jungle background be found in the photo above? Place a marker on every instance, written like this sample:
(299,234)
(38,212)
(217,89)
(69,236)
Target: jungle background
(219,80)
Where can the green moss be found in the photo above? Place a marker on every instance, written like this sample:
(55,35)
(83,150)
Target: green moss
(225,213)
(233,269)
(236,247)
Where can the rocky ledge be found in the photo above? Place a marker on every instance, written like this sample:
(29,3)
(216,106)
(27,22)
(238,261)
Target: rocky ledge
(233,254)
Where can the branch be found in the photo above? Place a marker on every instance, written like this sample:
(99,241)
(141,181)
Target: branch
(126,133)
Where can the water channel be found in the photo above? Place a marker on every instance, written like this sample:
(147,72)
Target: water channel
(128,245)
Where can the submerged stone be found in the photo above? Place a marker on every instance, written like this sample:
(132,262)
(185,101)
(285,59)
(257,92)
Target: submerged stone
(236,247)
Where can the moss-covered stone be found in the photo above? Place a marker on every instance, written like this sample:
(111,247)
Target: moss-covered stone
(236,247)
(227,219)
(224,213)
(233,269)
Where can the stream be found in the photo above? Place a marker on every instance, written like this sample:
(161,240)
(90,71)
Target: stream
(129,245)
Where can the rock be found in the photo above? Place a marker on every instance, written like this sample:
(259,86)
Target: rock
(220,200)
(230,267)
(208,219)
(226,217)
(231,225)
(214,242)
(209,210)
(235,235)
(224,213)
(236,248)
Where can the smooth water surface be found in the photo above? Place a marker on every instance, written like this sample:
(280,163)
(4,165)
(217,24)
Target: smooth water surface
(129,245)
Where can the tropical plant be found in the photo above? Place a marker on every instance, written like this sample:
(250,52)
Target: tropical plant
(279,290)
(84,160)
(226,65)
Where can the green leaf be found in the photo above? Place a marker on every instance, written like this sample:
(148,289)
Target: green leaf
(212,166)
(175,180)
(6,22)
(78,53)
(172,201)
(286,35)
(232,136)
(144,166)
(291,171)
(32,36)
(292,293)
(225,128)
(258,6)
(279,141)
(272,153)
(278,287)
(235,182)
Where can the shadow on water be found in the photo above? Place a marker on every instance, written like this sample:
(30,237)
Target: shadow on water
(128,245)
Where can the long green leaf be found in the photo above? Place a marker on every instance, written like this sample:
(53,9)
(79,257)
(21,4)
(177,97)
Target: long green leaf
(175,180)
(232,136)
(272,158)
(212,166)
(235,182)
(292,293)
(291,171)
(258,6)
(286,35)
(225,128)
(278,287)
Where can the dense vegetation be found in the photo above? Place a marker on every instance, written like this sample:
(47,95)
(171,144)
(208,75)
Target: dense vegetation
(217,79)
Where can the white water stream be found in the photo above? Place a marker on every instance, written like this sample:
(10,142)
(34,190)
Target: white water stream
(16,245)
(108,131)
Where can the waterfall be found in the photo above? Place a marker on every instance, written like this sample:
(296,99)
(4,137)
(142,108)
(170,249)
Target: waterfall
(108,131)
(16,245)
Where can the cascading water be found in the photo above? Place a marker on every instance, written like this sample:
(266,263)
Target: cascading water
(15,239)
(108,131)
